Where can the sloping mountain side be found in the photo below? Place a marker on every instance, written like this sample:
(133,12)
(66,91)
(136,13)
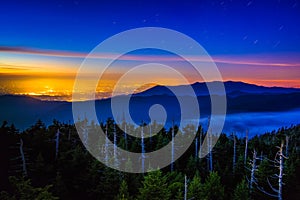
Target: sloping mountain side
(231,88)
(241,98)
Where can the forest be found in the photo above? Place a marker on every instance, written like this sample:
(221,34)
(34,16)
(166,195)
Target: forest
(51,162)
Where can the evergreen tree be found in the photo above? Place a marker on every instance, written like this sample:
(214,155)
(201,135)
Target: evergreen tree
(123,191)
(23,190)
(154,187)
(60,187)
(212,188)
(241,191)
(176,183)
(195,188)
(110,182)
(75,174)
(178,195)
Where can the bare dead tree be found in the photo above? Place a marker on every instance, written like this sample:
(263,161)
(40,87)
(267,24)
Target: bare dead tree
(200,146)
(115,145)
(150,133)
(281,167)
(246,148)
(253,170)
(234,153)
(85,132)
(57,143)
(143,148)
(185,188)
(106,144)
(278,163)
(24,169)
(200,143)
(287,138)
(125,135)
(172,150)
(196,146)
(209,147)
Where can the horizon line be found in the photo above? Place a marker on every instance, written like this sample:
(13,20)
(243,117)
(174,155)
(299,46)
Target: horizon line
(44,97)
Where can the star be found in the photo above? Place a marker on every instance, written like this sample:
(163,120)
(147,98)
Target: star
(249,3)
(276,44)
(281,27)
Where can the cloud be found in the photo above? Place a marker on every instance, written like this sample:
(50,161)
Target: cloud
(25,50)
(287,60)
(10,67)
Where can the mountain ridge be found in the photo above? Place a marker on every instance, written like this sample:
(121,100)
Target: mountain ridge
(230,87)
(197,86)
(241,98)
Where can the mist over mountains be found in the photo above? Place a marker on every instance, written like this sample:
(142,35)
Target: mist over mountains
(248,106)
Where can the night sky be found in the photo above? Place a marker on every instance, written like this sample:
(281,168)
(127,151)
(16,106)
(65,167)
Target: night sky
(262,36)
(222,27)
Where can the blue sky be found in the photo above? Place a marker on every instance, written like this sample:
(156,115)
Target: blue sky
(254,41)
(222,27)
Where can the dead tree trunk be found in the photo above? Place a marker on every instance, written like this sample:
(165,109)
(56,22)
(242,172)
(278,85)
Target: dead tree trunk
(185,188)
(57,143)
(234,153)
(172,150)
(246,148)
(125,135)
(210,154)
(287,145)
(196,147)
(23,158)
(115,146)
(150,133)
(143,148)
(253,169)
(200,145)
(279,163)
(280,176)
(209,148)
(106,144)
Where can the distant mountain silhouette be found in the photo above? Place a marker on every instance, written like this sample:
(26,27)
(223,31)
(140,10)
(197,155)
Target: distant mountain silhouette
(232,89)
(241,98)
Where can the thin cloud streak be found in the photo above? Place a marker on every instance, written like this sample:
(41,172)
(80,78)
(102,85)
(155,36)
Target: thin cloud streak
(4,66)
(293,61)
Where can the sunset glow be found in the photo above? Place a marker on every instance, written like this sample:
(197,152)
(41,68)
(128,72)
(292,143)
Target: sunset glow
(140,99)
(50,75)
(253,42)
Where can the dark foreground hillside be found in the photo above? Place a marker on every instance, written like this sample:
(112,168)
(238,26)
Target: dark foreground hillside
(36,165)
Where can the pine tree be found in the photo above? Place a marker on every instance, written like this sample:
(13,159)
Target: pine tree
(23,190)
(110,183)
(195,187)
(179,195)
(241,191)
(212,188)
(59,186)
(154,187)
(123,191)
(176,184)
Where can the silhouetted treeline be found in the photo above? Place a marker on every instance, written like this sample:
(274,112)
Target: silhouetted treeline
(39,164)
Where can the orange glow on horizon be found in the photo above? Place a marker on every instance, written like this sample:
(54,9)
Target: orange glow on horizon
(61,88)
(50,75)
